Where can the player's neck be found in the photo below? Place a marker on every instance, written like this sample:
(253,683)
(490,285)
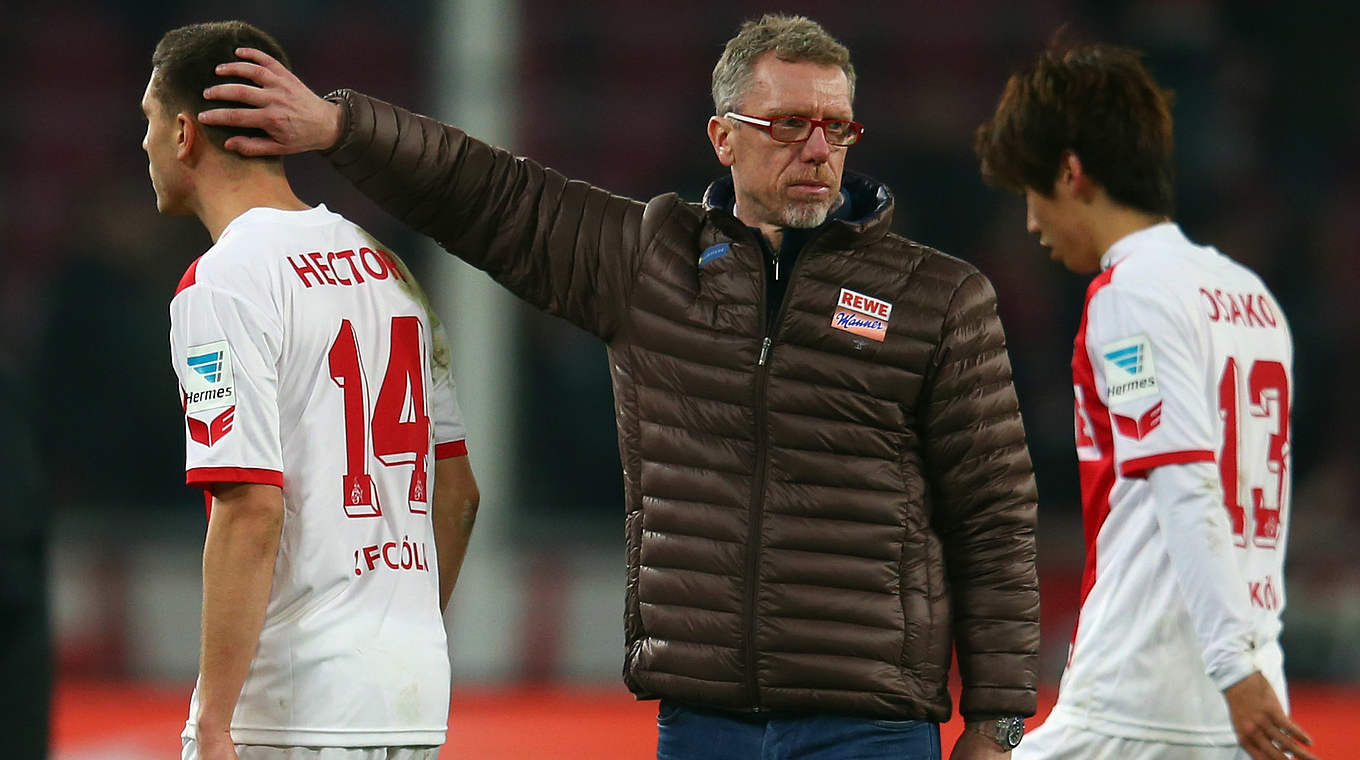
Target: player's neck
(1112,222)
(227,194)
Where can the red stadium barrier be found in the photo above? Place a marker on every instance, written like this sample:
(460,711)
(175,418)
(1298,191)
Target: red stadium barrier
(100,719)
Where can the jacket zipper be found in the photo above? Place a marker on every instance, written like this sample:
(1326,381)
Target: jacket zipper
(757,516)
(755,522)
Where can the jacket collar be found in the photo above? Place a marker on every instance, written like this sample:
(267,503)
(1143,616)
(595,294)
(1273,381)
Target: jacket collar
(864,217)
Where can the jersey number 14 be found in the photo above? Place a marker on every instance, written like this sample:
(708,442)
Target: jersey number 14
(400,423)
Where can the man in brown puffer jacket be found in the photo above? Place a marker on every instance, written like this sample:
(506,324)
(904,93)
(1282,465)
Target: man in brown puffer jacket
(825,469)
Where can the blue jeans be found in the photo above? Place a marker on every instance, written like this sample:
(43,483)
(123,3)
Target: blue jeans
(691,733)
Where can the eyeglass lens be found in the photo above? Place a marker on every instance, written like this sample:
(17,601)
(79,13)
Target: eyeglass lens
(797,129)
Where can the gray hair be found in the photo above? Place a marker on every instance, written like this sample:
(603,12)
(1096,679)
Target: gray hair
(791,38)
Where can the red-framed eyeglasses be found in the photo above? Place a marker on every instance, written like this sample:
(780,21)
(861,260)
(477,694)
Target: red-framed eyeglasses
(796,129)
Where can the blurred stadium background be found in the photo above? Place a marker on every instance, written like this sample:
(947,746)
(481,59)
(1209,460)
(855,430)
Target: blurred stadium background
(616,93)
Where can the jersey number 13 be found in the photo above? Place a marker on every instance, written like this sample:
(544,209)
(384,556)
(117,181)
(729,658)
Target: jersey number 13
(1267,403)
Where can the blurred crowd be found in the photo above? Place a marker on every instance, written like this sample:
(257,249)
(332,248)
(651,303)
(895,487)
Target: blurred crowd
(616,93)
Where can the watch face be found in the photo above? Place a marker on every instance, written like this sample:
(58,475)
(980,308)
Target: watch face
(1014,731)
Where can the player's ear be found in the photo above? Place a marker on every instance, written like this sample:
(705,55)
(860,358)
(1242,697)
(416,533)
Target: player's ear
(188,135)
(720,134)
(1073,174)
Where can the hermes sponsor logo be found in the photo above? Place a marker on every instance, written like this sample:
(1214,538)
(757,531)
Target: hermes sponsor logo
(862,315)
(209,383)
(1130,373)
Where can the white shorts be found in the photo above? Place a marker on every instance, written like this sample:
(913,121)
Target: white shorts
(1055,741)
(259,752)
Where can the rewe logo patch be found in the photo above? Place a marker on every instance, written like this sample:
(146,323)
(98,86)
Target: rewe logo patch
(862,315)
(208,384)
(1130,373)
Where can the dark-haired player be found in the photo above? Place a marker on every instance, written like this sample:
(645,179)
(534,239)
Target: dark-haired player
(1183,382)
(321,421)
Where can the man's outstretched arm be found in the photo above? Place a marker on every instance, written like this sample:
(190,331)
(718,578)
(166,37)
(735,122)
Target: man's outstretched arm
(296,119)
(566,247)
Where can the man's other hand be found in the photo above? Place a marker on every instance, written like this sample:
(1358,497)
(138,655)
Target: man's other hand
(1262,727)
(295,118)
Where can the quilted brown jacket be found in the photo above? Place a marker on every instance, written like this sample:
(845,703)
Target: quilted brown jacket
(813,516)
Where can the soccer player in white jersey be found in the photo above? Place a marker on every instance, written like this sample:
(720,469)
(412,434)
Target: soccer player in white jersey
(320,420)
(1183,382)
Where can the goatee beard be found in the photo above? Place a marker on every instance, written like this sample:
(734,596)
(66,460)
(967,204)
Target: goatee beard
(803,216)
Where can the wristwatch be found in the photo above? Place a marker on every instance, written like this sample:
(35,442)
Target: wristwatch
(1006,731)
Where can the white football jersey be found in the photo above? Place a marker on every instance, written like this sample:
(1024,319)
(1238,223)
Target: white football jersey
(1182,356)
(308,358)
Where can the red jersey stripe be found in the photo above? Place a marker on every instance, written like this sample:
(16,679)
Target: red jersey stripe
(1097,476)
(1138,468)
(206,476)
(190,276)
(450,449)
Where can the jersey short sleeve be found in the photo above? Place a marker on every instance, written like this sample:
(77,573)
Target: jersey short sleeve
(225,351)
(450,434)
(1149,362)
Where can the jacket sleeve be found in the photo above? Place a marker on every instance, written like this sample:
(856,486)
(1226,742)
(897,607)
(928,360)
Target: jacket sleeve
(564,246)
(985,506)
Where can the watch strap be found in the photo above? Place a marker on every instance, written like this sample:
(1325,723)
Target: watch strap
(1005,731)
